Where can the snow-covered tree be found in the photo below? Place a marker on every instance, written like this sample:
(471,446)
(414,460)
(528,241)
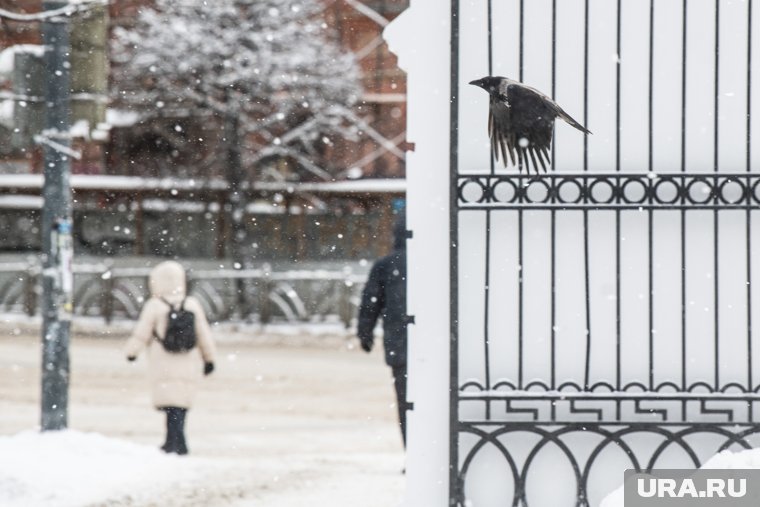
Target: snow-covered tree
(272,65)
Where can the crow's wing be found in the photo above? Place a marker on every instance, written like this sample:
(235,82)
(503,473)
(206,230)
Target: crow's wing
(502,140)
(531,124)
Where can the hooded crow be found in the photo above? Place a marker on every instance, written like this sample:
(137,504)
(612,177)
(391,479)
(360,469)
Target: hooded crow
(521,120)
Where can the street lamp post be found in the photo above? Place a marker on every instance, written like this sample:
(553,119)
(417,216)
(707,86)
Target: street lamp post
(57,278)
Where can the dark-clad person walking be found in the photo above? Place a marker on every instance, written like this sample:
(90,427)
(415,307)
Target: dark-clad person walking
(173,369)
(384,296)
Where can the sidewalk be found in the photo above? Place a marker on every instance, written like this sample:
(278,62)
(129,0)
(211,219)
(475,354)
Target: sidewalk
(276,425)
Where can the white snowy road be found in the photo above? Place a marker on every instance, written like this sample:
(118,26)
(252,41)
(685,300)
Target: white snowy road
(279,424)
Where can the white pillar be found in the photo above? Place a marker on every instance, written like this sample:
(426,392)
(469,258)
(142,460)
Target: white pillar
(421,39)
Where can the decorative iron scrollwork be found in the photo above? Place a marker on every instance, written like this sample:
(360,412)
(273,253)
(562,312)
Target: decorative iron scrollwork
(609,191)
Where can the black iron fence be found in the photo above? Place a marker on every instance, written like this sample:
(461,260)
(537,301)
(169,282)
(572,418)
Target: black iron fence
(602,314)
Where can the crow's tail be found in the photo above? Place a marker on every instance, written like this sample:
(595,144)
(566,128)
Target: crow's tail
(569,119)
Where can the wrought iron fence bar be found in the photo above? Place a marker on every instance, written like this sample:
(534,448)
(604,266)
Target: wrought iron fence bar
(650,168)
(716,96)
(520,301)
(618,309)
(586,271)
(487,312)
(553,296)
(587,297)
(520,220)
(618,128)
(683,84)
(521,44)
(650,95)
(716,162)
(553,300)
(716,296)
(650,295)
(455,493)
(684,310)
(487,287)
(684,49)
(585,80)
(618,91)
(748,220)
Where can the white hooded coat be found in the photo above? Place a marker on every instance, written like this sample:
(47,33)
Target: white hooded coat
(173,376)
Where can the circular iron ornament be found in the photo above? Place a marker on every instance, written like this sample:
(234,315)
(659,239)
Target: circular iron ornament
(663,187)
(756,191)
(540,184)
(707,190)
(504,191)
(472,190)
(569,183)
(629,196)
(602,186)
(724,191)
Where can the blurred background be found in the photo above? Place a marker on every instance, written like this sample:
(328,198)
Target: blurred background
(261,143)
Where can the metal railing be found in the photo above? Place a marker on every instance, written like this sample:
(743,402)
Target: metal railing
(260,295)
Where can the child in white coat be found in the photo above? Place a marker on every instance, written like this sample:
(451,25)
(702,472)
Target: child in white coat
(173,376)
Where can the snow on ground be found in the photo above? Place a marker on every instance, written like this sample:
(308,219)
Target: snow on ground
(723,460)
(72,469)
(728,459)
(284,421)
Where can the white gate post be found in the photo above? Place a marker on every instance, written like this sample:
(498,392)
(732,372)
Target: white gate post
(421,39)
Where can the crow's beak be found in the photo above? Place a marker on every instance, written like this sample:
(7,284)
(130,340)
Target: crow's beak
(476,83)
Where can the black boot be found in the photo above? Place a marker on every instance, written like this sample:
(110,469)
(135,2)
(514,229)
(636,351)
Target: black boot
(181,443)
(175,431)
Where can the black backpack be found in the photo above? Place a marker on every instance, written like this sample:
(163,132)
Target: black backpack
(180,329)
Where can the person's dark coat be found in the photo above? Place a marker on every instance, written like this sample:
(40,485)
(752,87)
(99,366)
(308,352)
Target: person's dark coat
(385,296)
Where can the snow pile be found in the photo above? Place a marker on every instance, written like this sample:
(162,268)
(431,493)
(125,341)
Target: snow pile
(728,460)
(723,460)
(8,56)
(121,118)
(71,469)
(6,113)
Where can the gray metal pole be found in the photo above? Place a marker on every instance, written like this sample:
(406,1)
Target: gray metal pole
(236,202)
(57,255)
